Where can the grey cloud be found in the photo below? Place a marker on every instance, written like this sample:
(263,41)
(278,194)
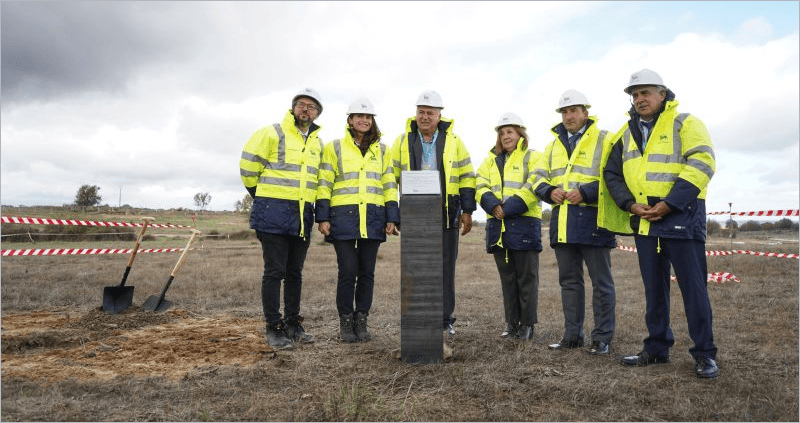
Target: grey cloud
(60,48)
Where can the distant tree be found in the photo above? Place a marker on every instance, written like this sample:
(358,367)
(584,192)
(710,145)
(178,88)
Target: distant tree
(245,204)
(546,216)
(202,199)
(784,224)
(750,225)
(88,196)
(768,226)
(713,227)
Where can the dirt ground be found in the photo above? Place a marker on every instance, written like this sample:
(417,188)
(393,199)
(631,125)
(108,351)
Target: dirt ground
(102,346)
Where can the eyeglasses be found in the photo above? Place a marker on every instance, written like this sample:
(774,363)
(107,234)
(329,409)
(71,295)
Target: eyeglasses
(304,106)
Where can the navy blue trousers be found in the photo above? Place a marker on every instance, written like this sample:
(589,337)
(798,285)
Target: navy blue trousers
(356,260)
(284,256)
(570,259)
(688,259)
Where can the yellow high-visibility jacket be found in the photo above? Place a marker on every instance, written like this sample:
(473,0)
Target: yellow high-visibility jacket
(280,171)
(521,229)
(575,224)
(675,167)
(357,193)
(456,174)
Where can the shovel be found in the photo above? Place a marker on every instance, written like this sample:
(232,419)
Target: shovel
(158,303)
(117,298)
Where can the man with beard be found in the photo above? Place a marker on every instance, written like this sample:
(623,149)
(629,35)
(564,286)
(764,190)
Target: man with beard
(279,168)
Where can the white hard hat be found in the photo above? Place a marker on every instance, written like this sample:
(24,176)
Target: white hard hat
(644,77)
(310,93)
(510,119)
(361,105)
(430,98)
(572,98)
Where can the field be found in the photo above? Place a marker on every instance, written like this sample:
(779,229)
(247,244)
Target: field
(205,359)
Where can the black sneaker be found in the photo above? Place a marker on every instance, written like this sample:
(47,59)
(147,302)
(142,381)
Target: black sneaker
(706,368)
(448,329)
(276,336)
(644,359)
(296,332)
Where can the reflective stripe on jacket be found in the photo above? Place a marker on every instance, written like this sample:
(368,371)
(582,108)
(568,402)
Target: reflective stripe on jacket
(513,189)
(357,193)
(678,154)
(456,174)
(575,224)
(282,166)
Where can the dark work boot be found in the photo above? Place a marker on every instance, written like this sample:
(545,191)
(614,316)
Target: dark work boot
(511,330)
(346,328)
(296,332)
(525,332)
(276,336)
(361,327)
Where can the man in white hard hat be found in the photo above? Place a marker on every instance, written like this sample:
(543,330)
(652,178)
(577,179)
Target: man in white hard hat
(429,143)
(658,171)
(279,168)
(571,183)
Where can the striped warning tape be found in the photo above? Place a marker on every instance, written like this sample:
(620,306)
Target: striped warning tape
(756,253)
(762,213)
(716,277)
(44,221)
(84,251)
(728,253)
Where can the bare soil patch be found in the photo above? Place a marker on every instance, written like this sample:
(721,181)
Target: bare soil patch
(101,346)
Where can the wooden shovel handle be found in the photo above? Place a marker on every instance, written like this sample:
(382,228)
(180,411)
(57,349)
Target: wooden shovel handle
(195,234)
(147,221)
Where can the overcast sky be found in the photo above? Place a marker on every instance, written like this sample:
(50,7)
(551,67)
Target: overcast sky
(155,100)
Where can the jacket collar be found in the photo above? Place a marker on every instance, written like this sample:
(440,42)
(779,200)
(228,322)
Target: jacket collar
(288,122)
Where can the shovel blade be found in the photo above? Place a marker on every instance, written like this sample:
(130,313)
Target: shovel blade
(117,298)
(151,304)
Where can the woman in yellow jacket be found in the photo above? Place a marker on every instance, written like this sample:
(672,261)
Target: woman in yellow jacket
(356,207)
(514,222)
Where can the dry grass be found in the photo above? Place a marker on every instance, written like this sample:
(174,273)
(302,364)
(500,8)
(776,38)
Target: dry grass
(755,322)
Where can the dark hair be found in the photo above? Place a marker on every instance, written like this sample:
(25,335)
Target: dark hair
(498,147)
(373,135)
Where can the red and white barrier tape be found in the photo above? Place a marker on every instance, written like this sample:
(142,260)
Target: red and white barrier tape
(43,221)
(761,213)
(756,253)
(719,277)
(84,251)
(728,253)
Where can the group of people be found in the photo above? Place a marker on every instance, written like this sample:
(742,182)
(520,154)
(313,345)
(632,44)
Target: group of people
(598,184)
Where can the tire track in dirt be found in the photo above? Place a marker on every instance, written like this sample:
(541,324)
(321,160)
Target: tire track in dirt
(101,346)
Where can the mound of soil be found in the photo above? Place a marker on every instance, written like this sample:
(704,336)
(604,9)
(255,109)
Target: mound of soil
(100,345)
